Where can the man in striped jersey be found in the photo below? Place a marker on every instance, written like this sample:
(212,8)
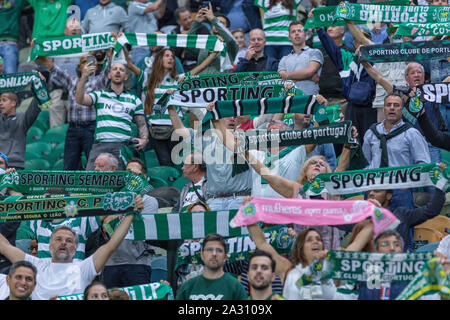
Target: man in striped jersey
(116,109)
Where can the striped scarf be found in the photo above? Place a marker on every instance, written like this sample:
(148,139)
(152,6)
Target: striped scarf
(175,226)
(208,42)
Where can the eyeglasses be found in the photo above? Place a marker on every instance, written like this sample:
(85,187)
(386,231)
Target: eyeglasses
(319,162)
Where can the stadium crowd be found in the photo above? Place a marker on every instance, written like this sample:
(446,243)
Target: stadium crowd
(122,106)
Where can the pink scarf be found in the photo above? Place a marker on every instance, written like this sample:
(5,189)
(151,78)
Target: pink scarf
(313,212)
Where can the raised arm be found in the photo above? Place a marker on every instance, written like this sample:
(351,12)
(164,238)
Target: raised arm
(362,238)
(80,96)
(103,253)
(12,253)
(177,124)
(258,237)
(287,188)
(205,63)
(357,33)
(378,77)
(130,65)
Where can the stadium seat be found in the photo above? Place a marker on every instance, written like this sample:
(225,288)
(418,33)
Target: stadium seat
(37,164)
(157,182)
(180,182)
(56,154)
(169,174)
(423,236)
(30,155)
(439,223)
(43,149)
(151,160)
(58,165)
(42,121)
(56,135)
(34,134)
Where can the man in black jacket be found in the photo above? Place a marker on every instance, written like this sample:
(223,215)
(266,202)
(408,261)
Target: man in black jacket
(437,138)
(409,218)
(255,59)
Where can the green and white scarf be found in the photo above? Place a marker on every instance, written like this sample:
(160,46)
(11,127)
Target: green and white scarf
(373,268)
(198,91)
(305,104)
(423,29)
(208,42)
(238,248)
(67,45)
(325,16)
(431,279)
(15,82)
(392,13)
(37,181)
(151,291)
(340,132)
(20,208)
(406,51)
(175,226)
(347,182)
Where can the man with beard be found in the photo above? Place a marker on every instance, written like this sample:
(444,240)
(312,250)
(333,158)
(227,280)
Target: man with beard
(261,273)
(214,283)
(61,275)
(116,109)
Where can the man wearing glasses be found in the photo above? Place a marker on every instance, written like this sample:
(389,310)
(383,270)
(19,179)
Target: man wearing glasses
(213,283)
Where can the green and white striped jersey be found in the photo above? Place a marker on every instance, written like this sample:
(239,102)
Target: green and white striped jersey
(115,114)
(83,227)
(277,21)
(167,83)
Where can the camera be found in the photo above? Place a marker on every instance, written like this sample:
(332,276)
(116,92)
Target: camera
(205,4)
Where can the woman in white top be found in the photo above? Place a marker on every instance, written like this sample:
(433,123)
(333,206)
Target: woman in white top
(308,246)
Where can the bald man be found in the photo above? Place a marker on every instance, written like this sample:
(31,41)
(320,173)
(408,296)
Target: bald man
(255,59)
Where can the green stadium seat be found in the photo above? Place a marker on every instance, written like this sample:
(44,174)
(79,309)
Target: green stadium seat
(43,149)
(445,157)
(157,182)
(58,165)
(151,160)
(169,174)
(34,134)
(56,135)
(37,164)
(180,182)
(30,155)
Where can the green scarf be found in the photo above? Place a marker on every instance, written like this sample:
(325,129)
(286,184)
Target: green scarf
(423,29)
(374,268)
(406,51)
(339,132)
(151,291)
(347,182)
(20,208)
(325,16)
(15,82)
(238,248)
(392,13)
(65,45)
(431,279)
(37,181)
(176,226)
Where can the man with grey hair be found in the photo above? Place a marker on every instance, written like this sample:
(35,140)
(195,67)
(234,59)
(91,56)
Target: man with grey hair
(61,275)
(255,58)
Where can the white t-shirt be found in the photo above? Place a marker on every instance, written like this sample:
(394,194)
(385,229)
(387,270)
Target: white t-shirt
(61,278)
(288,167)
(4,288)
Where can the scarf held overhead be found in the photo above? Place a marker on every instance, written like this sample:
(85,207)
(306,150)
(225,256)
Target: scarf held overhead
(20,208)
(313,212)
(347,182)
(37,181)
(67,45)
(434,92)
(16,82)
(423,29)
(392,13)
(256,139)
(406,51)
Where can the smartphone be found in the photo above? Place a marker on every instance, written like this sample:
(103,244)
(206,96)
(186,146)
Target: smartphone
(205,4)
(92,59)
